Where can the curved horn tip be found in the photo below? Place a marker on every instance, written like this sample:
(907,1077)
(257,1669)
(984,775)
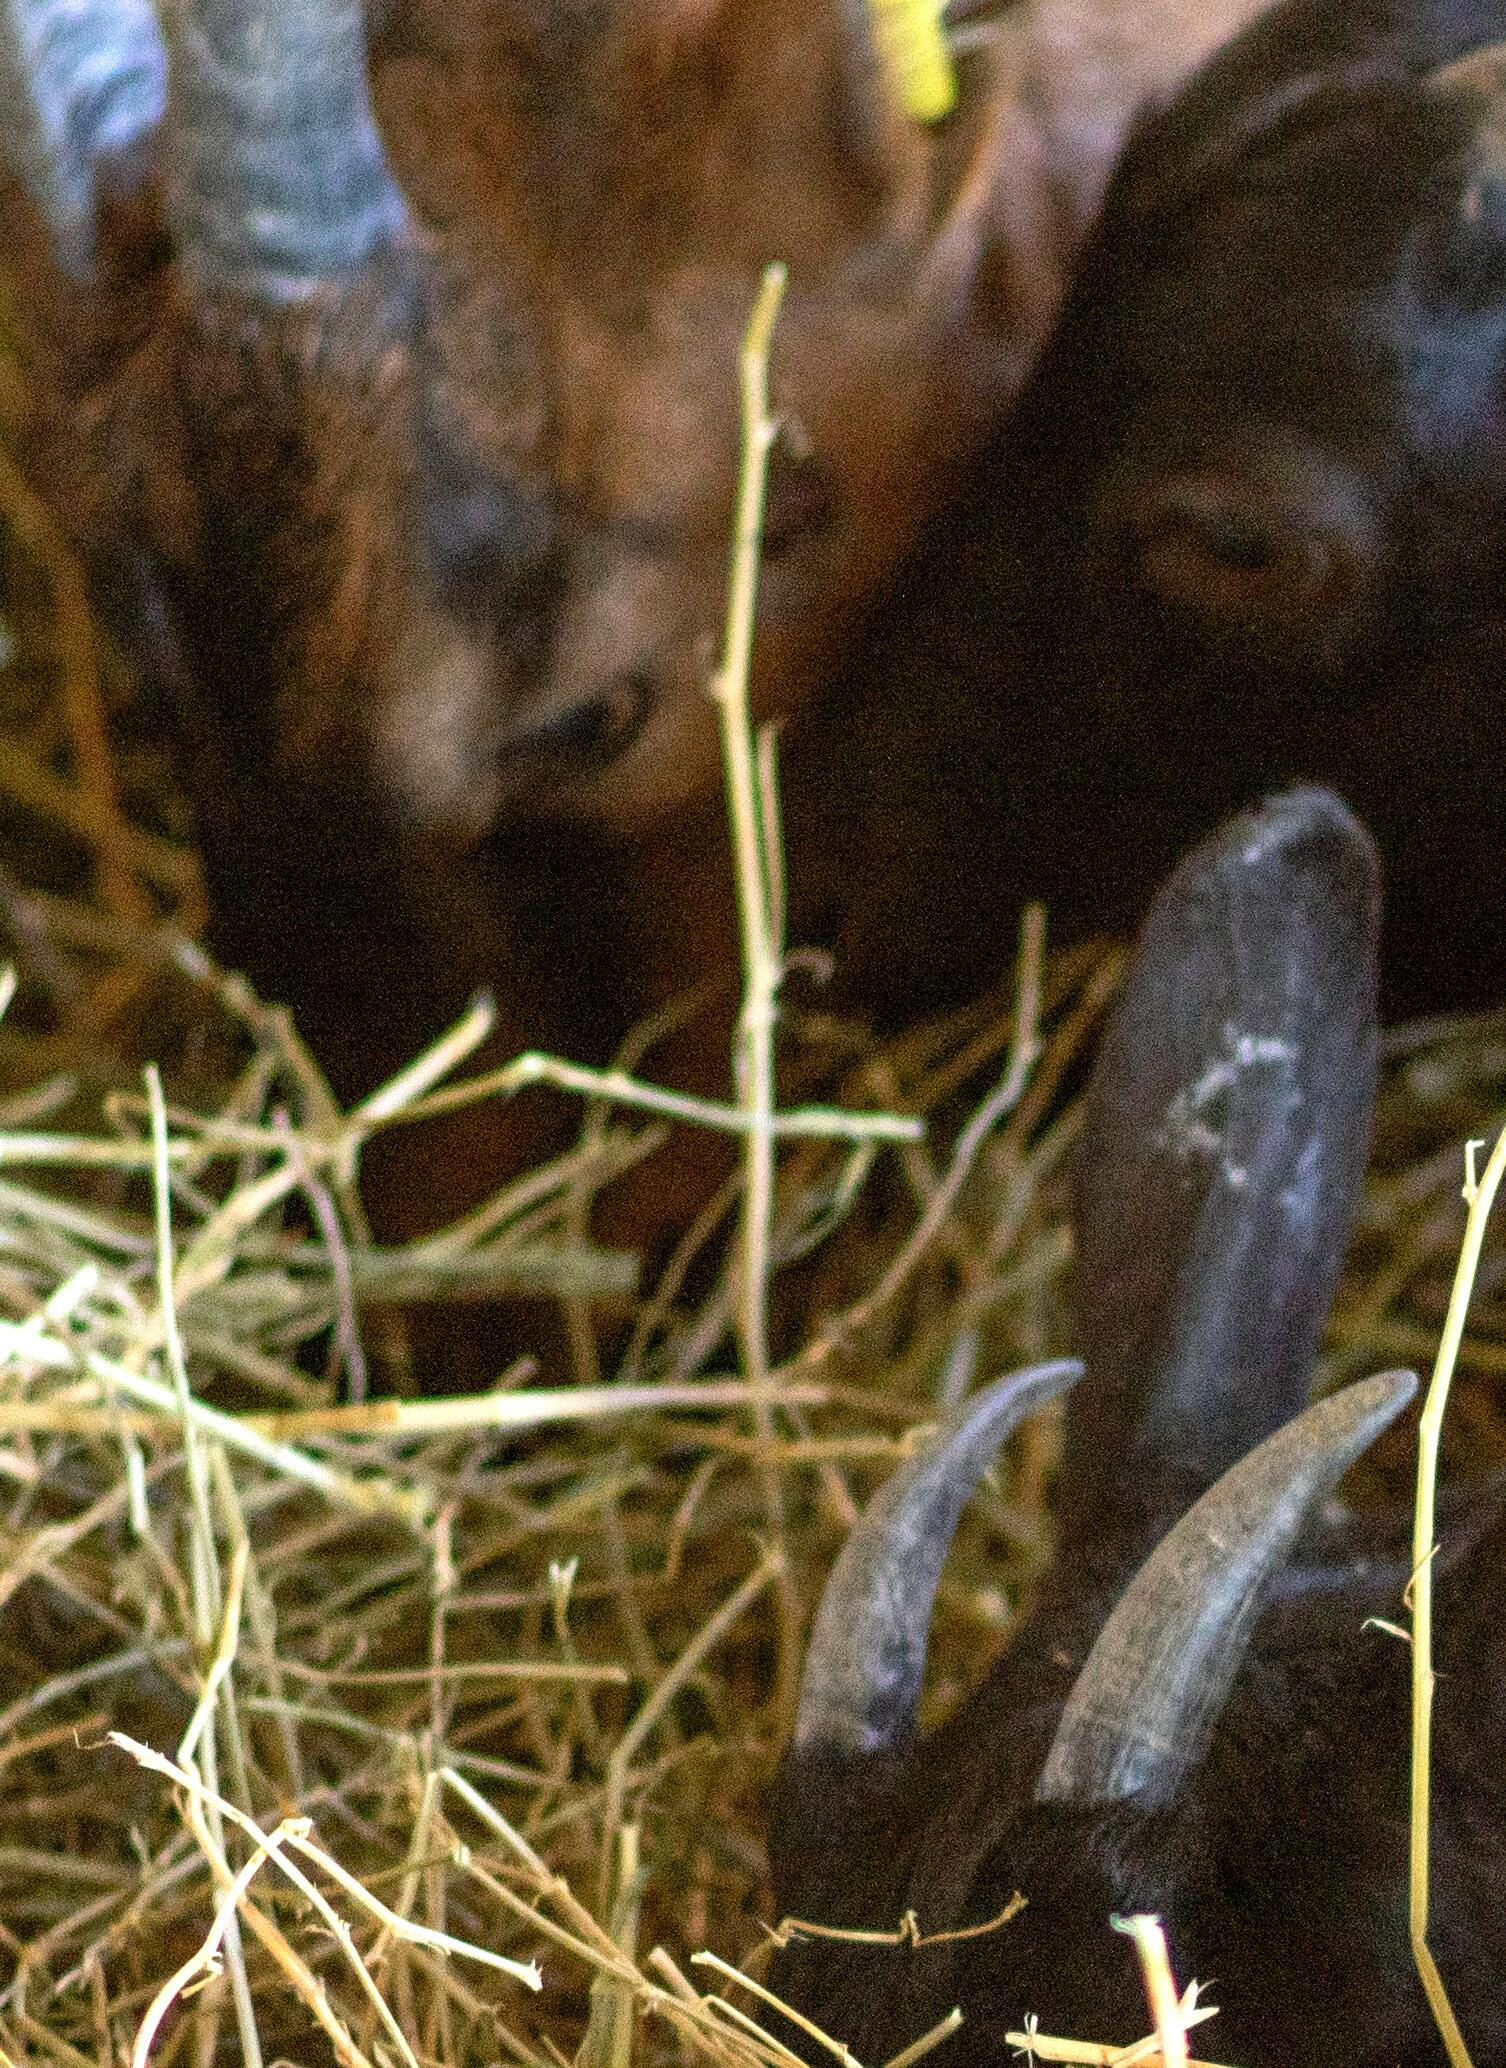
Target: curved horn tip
(1279,831)
(1297,876)
(1150,1693)
(867,1651)
(80,80)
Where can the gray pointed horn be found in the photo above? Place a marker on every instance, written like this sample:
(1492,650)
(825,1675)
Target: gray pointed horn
(1151,1690)
(867,1651)
(278,179)
(1223,1151)
(81,81)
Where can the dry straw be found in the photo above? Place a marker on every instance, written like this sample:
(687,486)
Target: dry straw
(331,1724)
(341,1722)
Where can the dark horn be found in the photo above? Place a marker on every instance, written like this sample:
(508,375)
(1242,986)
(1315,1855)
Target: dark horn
(1224,1141)
(868,1648)
(80,81)
(278,177)
(1147,1699)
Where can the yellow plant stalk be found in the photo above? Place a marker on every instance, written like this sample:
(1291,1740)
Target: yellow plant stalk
(1480,1196)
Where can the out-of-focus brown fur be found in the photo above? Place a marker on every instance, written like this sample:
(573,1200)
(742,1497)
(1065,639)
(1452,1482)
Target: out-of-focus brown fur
(621,176)
(427,572)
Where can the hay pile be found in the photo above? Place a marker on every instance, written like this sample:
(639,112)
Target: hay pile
(439,1731)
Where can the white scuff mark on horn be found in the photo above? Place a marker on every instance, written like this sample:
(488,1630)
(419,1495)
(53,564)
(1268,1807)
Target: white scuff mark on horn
(1193,1126)
(1301,1201)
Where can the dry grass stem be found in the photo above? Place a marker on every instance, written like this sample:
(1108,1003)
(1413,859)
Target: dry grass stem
(1160,1990)
(927,2042)
(1479,1195)
(824,1123)
(1042,2046)
(750,786)
(522,1655)
(907,1932)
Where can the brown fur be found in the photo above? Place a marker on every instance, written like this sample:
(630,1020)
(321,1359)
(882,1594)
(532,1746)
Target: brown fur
(379,551)
(630,172)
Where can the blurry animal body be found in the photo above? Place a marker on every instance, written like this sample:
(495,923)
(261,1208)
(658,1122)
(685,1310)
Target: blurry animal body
(412,505)
(1245,524)
(1197,1720)
(396,425)
(400,436)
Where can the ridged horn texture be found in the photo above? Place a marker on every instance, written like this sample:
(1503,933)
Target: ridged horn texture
(1150,1692)
(867,1652)
(80,80)
(1224,1144)
(278,179)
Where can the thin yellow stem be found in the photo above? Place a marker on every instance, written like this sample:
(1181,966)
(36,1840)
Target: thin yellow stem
(1481,1197)
(748,770)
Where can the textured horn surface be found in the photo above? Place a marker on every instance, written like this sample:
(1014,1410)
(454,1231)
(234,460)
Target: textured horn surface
(79,80)
(1153,1685)
(278,179)
(1224,1142)
(867,1652)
